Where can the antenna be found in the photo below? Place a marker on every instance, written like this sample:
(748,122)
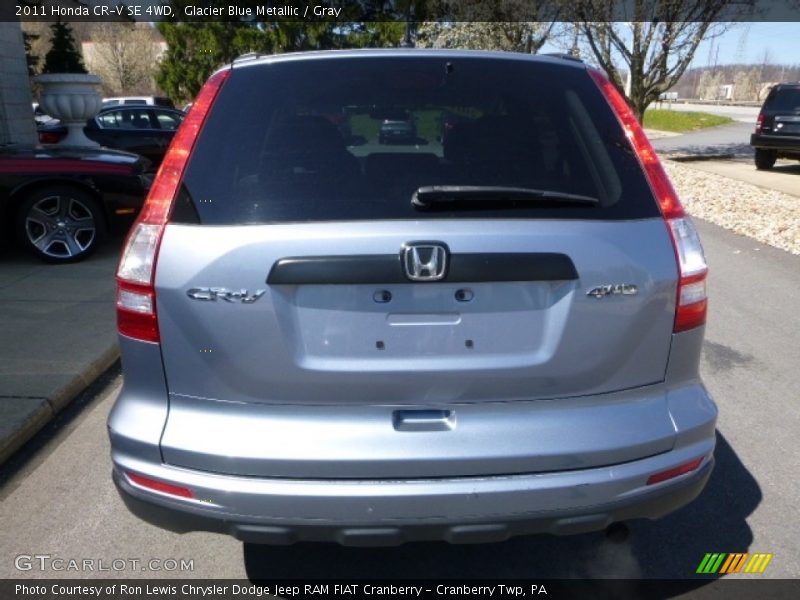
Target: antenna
(710,53)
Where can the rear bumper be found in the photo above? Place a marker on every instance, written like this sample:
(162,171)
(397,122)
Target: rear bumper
(377,512)
(388,508)
(781,143)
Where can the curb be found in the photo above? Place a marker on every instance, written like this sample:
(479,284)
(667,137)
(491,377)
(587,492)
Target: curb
(698,157)
(657,134)
(50,407)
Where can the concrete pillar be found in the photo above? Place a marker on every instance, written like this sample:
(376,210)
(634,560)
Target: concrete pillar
(16,115)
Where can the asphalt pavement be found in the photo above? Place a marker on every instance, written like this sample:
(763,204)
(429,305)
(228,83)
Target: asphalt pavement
(726,141)
(59,499)
(743,114)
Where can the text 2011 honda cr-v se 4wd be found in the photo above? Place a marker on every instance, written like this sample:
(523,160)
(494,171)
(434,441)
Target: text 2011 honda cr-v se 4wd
(491,328)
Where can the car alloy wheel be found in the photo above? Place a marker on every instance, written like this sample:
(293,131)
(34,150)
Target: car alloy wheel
(60,225)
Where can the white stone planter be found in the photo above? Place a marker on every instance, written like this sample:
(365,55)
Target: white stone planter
(72,98)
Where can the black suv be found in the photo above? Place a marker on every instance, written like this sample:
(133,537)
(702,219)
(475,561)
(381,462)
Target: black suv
(777,132)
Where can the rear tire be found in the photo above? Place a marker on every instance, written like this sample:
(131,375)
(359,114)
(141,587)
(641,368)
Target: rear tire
(765,159)
(60,224)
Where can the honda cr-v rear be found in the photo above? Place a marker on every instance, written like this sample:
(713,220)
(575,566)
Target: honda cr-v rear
(488,328)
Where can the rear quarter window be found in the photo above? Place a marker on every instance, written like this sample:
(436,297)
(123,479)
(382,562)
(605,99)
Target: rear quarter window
(352,138)
(784,100)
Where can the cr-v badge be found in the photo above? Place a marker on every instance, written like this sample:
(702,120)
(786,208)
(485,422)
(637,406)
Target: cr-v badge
(217,293)
(621,289)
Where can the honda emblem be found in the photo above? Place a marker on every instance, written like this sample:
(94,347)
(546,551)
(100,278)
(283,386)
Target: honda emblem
(424,261)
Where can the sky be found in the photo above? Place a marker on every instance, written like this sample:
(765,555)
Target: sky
(747,42)
(744,43)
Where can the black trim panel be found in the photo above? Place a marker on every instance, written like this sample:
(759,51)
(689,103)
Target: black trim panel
(363,268)
(509,266)
(387,268)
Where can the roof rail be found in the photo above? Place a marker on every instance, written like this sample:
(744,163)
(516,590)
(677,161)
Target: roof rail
(247,56)
(563,55)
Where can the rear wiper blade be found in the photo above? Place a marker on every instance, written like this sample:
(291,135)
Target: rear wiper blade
(448,195)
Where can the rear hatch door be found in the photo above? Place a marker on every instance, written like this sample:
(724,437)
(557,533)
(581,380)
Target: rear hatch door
(299,341)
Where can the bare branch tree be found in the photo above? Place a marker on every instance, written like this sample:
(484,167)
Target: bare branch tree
(125,56)
(746,84)
(656,42)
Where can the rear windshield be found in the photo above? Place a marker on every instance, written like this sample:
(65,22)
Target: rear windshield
(353,138)
(785,99)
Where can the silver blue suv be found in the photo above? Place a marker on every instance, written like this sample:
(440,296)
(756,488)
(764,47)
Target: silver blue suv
(490,328)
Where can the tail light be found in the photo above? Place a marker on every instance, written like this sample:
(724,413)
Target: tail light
(692,297)
(692,301)
(136,296)
(760,122)
(49,137)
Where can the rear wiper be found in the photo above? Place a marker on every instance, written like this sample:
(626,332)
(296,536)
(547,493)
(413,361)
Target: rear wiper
(490,196)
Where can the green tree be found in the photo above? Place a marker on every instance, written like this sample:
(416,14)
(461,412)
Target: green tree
(63,56)
(379,34)
(292,36)
(196,48)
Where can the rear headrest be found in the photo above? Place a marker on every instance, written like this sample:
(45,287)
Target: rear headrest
(306,134)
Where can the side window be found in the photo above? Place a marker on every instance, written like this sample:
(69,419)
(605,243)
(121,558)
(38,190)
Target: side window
(137,119)
(110,120)
(168,121)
